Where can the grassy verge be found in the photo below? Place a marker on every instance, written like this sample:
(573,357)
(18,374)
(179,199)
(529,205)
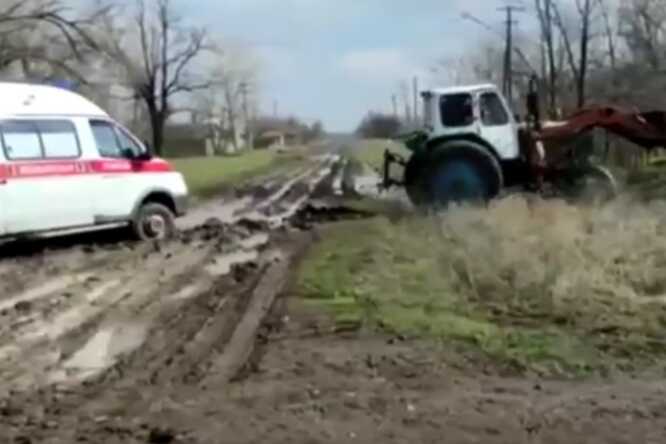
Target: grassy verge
(550,288)
(206,176)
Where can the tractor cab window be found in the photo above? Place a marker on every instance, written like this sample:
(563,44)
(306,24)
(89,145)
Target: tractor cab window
(457,110)
(493,112)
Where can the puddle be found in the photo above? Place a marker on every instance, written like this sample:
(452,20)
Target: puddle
(186,292)
(276,220)
(369,184)
(224,211)
(46,289)
(254,242)
(338,179)
(222,264)
(283,190)
(101,351)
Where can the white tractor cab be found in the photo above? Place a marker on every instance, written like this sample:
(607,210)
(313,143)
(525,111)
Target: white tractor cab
(480,110)
(66,166)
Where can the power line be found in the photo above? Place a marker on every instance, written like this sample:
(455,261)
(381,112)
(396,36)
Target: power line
(508,61)
(516,49)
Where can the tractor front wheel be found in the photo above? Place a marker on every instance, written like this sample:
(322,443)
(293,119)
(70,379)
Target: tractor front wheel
(453,172)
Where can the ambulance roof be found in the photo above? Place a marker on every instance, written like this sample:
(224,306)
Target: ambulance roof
(25,99)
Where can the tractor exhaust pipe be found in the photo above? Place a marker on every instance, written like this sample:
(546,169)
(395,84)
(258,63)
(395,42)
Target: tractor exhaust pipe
(533,109)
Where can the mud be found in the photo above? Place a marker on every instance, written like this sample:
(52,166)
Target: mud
(204,340)
(91,322)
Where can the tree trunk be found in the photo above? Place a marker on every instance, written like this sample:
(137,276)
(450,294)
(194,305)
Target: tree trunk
(157,120)
(584,45)
(158,135)
(551,61)
(545,13)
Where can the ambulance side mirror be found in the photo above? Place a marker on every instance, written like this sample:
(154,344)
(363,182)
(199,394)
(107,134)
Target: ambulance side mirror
(128,153)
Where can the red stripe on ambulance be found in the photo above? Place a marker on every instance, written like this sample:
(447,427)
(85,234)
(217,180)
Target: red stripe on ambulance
(21,170)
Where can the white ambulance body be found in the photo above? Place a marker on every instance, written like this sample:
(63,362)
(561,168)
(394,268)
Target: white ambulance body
(66,166)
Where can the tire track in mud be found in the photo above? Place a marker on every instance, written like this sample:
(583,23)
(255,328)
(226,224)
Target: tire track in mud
(164,319)
(45,347)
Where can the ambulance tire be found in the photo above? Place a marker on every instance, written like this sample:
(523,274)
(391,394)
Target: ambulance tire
(154,221)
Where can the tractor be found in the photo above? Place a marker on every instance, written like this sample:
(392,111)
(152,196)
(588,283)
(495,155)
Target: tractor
(472,148)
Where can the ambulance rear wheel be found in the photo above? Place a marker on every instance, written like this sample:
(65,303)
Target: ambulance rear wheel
(154,221)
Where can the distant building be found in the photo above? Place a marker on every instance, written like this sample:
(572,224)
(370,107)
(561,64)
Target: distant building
(278,138)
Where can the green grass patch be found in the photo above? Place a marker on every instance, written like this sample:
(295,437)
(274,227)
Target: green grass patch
(206,176)
(558,291)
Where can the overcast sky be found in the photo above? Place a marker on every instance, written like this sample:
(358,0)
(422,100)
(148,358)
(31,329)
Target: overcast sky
(334,59)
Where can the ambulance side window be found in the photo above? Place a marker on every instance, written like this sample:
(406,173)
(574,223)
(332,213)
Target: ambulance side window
(59,139)
(106,139)
(39,139)
(20,140)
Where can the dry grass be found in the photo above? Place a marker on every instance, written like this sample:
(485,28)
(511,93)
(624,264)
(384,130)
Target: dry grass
(540,285)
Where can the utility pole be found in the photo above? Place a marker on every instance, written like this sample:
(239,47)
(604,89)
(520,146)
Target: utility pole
(246,115)
(508,62)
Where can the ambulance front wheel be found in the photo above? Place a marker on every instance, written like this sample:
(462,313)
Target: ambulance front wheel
(154,221)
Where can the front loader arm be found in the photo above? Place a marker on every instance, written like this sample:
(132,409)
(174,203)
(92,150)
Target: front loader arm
(647,130)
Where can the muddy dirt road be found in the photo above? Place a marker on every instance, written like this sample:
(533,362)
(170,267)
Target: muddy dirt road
(198,341)
(85,325)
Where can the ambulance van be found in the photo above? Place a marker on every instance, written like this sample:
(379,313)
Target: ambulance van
(66,166)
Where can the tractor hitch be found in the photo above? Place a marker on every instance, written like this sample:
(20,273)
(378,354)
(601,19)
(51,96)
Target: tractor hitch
(390,159)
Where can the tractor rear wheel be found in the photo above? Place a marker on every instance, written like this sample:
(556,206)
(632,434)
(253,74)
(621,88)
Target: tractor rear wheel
(462,172)
(591,185)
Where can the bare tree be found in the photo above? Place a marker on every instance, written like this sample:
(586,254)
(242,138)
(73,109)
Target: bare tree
(234,70)
(610,34)
(41,32)
(578,63)
(644,30)
(161,67)
(544,10)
